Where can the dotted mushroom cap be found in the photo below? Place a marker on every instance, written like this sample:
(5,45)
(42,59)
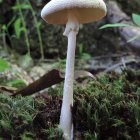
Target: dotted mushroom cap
(56,11)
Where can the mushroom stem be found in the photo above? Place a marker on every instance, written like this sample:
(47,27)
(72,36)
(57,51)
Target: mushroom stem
(71,30)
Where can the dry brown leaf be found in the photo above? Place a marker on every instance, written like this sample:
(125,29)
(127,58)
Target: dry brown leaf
(8,90)
(83,74)
(51,78)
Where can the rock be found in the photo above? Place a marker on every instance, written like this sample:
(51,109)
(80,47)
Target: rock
(116,15)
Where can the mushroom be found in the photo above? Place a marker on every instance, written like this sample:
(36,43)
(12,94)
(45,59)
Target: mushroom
(72,13)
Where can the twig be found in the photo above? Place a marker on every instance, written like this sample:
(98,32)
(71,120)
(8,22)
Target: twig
(113,67)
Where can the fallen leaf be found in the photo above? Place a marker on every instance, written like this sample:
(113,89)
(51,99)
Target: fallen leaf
(51,78)
(8,90)
(83,74)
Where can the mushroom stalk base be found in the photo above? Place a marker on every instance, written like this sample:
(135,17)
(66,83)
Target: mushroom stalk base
(66,124)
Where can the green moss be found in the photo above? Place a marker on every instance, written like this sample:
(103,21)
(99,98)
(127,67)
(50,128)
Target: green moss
(108,108)
(105,109)
(26,118)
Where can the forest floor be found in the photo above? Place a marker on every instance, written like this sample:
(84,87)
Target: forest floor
(107,107)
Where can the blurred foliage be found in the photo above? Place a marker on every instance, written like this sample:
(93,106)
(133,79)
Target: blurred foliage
(26,32)
(3,65)
(29,33)
(136,21)
(16,26)
(9,76)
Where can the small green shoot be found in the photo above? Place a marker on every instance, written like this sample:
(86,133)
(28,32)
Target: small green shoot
(17,27)
(136,19)
(19,7)
(82,53)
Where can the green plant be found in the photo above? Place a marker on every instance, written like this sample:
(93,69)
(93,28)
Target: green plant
(5,32)
(37,25)
(20,25)
(17,28)
(136,21)
(82,53)
(4,65)
(19,7)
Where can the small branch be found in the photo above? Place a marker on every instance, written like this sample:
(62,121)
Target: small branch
(113,67)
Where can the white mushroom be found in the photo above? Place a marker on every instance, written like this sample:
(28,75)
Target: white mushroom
(72,13)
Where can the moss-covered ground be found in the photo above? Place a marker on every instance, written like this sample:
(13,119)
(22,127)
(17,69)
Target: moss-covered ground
(107,108)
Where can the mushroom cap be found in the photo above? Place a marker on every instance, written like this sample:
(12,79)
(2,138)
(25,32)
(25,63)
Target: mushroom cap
(56,11)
